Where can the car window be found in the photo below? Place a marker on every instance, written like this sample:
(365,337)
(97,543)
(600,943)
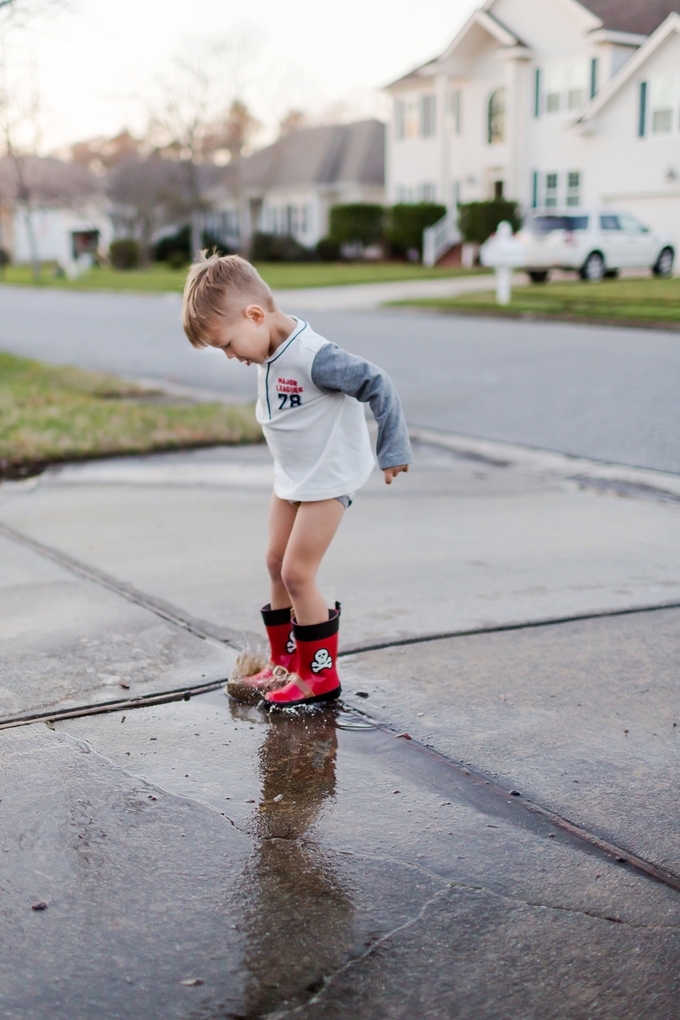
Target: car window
(609,223)
(631,224)
(545,224)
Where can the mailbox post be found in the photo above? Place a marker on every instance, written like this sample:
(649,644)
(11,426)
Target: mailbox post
(503,252)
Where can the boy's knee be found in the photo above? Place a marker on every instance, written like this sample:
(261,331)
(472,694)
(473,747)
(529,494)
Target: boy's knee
(274,565)
(293,577)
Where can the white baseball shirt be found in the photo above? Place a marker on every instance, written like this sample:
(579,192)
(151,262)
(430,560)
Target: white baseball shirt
(315,428)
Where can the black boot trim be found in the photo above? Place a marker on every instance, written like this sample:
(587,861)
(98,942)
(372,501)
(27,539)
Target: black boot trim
(318,631)
(275,617)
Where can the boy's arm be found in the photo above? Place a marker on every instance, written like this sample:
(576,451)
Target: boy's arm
(335,369)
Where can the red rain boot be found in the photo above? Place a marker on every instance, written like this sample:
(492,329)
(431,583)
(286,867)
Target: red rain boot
(315,678)
(276,673)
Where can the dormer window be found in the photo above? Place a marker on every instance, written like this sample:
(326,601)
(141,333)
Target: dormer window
(408,117)
(567,85)
(428,122)
(663,101)
(400,119)
(553,89)
(496,117)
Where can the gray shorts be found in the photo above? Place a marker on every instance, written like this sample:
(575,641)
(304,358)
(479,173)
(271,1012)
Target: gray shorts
(345,500)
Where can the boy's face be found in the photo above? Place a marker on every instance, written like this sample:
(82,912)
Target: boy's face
(246,338)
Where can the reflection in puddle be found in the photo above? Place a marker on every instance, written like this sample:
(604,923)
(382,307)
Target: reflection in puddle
(297,914)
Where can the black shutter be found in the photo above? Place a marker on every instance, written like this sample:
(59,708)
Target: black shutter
(642,119)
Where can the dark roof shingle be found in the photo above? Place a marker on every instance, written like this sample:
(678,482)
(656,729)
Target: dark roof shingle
(324,155)
(320,155)
(640,17)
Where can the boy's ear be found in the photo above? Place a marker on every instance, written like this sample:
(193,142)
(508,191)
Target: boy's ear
(255,313)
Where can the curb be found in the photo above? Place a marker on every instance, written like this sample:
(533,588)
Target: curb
(621,478)
(583,320)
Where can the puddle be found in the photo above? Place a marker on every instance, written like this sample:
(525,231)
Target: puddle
(256,856)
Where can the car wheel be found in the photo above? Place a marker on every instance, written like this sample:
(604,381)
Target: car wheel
(538,275)
(593,268)
(664,263)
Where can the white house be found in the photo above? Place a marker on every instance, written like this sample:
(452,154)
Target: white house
(550,103)
(290,186)
(52,210)
(72,237)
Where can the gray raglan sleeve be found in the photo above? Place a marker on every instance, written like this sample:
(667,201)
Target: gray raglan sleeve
(335,369)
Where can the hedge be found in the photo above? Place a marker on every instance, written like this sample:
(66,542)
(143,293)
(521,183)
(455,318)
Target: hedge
(479,220)
(124,253)
(406,223)
(279,248)
(359,223)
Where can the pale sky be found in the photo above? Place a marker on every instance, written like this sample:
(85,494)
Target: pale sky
(97,65)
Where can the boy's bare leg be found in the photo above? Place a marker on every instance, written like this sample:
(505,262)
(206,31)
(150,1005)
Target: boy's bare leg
(313,530)
(281,520)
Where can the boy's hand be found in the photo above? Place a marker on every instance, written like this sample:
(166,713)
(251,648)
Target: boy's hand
(391,473)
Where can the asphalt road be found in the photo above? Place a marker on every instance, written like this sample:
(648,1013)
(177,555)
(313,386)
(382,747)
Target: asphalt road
(599,392)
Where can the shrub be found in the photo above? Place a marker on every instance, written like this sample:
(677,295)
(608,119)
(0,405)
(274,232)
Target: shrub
(359,223)
(279,248)
(174,245)
(327,250)
(406,224)
(124,253)
(4,261)
(213,244)
(176,260)
(479,220)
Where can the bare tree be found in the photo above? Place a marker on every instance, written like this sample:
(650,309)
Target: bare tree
(16,14)
(144,191)
(294,120)
(230,133)
(100,154)
(16,118)
(19,12)
(195,118)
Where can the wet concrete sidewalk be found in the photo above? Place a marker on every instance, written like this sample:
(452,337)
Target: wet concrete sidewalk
(200,859)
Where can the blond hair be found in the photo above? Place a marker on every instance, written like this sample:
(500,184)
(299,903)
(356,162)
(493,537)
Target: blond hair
(217,288)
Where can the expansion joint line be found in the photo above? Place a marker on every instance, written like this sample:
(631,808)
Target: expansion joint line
(240,639)
(200,628)
(521,803)
(208,631)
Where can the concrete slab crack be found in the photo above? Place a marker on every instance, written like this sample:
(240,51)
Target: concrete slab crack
(87,747)
(329,981)
(519,900)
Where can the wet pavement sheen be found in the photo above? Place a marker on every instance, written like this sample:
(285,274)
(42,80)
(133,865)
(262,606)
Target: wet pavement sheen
(301,864)
(202,861)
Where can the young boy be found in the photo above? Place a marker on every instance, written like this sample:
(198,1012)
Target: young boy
(310,396)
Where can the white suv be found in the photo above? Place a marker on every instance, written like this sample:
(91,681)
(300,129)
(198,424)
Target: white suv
(594,243)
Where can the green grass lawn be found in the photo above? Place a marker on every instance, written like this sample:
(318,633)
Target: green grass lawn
(50,414)
(638,300)
(279,275)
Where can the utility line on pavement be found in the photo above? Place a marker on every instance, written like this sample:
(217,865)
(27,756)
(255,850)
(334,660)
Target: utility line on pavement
(511,798)
(205,630)
(515,798)
(242,639)
(548,621)
(180,618)
(116,705)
